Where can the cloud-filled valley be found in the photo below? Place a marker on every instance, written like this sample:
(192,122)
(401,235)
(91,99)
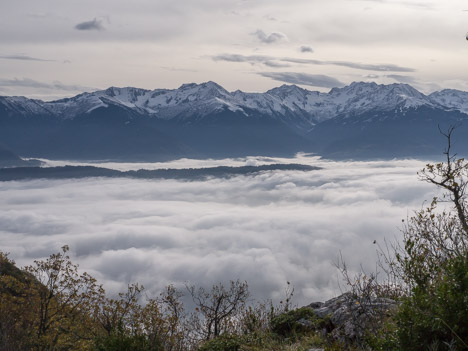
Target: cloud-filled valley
(266,228)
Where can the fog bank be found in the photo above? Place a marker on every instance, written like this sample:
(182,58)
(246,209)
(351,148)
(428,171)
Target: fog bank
(267,228)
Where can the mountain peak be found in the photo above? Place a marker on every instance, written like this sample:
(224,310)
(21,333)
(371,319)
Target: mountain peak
(359,88)
(362,83)
(454,99)
(111,91)
(187,86)
(209,84)
(285,91)
(355,87)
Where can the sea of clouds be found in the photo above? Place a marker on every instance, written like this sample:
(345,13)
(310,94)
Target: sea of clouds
(267,228)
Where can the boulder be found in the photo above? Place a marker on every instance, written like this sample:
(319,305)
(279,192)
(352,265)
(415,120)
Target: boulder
(350,316)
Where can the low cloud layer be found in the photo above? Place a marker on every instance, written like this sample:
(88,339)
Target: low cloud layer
(94,24)
(267,229)
(314,80)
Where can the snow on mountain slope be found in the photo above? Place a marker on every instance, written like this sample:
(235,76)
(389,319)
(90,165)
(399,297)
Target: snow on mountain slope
(355,99)
(363,97)
(23,106)
(286,102)
(72,107)
(360,98)
(189,98)
(196,99)
(454,99)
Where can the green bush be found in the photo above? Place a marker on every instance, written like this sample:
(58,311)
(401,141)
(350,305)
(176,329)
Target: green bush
(295,322)
(224,342)
(122,341)
(437,313)
(433,264)
(385,339)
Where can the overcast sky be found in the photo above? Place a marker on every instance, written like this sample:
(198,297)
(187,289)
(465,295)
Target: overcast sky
(53,48)
(267,229)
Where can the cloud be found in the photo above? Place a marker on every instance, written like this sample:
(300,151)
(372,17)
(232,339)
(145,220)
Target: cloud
(176,69)
(380,67)
(30,83)
(306,48)
(23,58)
(242,58)
(402,79)
(254,59)
(355,65)
(276,64)
(315,80)
(423,86)
(269,38)
(94,24)
(267,228)
(420,5)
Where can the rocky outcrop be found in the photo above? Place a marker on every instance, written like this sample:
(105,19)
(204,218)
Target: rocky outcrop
(351,317)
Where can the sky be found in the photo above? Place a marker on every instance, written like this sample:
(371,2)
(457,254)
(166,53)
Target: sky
(53,48)
(267,228)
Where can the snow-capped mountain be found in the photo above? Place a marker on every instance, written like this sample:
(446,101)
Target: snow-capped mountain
(20,105)
(450,98)
(207,98)
(355,99)
(206,119)
(360,98)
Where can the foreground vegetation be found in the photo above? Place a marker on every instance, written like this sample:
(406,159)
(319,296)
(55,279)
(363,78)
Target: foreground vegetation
(51,306)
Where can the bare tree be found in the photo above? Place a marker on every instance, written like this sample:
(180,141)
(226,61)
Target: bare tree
(219,306)
(452,176)
(434,240)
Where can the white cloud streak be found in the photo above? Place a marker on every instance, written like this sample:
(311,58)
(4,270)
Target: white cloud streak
(254,59)
(267,229)
(31,83)
(315,80)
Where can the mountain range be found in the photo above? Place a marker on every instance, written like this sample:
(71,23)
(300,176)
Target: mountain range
(362,120)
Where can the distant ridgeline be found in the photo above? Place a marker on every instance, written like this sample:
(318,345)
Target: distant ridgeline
(362,120)
(10,159)
(68,172)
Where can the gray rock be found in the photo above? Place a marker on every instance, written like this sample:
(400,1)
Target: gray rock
(351,316)
(305,323)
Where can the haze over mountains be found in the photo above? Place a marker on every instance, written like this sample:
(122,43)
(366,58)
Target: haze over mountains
(362,120)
